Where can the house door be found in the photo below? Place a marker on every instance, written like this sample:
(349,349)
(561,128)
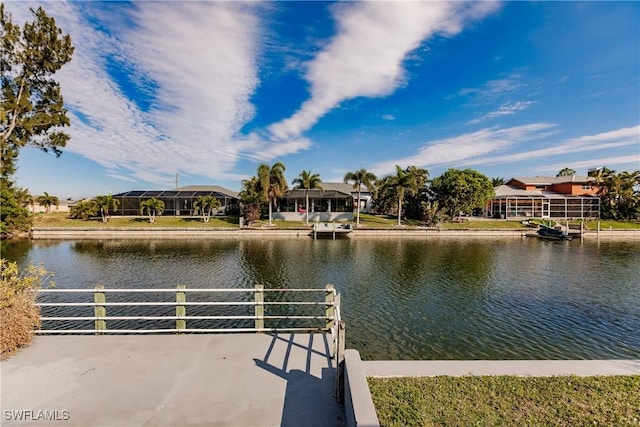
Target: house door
(546,209)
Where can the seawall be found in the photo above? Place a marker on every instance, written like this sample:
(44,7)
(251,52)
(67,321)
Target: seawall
(235,233)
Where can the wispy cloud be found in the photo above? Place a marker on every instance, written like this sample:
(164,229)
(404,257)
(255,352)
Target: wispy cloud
(365,58)
(495,89)
(623,137)
(505,109)
(462,148)
(610,162)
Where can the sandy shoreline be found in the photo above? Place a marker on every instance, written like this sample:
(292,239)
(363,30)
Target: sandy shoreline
(40,233)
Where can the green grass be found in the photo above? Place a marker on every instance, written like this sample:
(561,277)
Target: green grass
(507,400)
(60,219)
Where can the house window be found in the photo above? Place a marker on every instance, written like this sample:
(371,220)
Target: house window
(586,186)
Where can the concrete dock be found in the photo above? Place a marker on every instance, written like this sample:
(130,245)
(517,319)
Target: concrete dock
(172,380)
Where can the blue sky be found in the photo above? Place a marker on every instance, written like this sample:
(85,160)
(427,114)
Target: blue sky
(212,89)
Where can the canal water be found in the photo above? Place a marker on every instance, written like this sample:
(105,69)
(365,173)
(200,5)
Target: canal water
(404,298)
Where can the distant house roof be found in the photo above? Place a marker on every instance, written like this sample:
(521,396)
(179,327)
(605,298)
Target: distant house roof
(341,187)
(329,189)
(550,180)
(182,192)
(504,191)
(215,188)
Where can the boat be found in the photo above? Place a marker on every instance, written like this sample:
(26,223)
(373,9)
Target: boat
(550,233)
(331,229)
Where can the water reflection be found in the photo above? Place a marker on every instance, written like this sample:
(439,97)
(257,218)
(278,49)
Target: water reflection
(402,298)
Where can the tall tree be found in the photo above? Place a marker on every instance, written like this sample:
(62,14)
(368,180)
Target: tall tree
(306,181)
(462,191)
(32,110)
(273,184)
(358,179)
(105,204)
(407,182)
(152,207)
(498,181)
(206,205)
(47,201)
(566,172)
(251,199)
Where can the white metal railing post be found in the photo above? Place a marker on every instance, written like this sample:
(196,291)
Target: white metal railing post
(259,301)
(181,309)
(100,311)
(330,309)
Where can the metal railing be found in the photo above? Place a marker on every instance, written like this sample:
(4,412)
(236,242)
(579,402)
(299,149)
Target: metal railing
(184,323)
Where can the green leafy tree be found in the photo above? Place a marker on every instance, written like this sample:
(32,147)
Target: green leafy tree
(407,182)
(152,207)
(306,181)
(461,191)
(206,205)
(14,216)
(106,204)
(566,172)
(47,201)
(83,209)
(273,184)
(32,110)
(360,178)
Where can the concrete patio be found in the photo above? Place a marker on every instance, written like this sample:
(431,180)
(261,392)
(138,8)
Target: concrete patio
(172,380)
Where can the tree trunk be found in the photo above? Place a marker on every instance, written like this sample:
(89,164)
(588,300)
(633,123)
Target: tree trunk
(399,210)
(307,205)
(270,212)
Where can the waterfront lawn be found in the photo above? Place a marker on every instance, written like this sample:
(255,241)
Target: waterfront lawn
(507,400)
(61,219)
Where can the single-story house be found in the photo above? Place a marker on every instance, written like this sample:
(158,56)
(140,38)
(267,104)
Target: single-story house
(334,202)
(178,201)
(562,197)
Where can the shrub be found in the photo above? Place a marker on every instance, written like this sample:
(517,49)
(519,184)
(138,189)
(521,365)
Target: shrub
(20,316)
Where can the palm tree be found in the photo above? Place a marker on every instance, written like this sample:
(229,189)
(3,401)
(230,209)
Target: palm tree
(206,205)
(306,180)
(407,182)
(272,183)
(83,209)
(47,201)
(105,204)
(359,178)
(152,206)
(498,181)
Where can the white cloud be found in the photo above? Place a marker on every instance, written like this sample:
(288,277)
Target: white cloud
(365,58)
(494,89)
(195,62)
(467,146)
(610,162)
(603,141)
(505,109)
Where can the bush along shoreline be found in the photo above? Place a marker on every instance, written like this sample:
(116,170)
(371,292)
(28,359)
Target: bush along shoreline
(18,310)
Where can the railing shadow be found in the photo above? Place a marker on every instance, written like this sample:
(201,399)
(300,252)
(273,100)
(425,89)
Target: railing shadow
(309,370)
